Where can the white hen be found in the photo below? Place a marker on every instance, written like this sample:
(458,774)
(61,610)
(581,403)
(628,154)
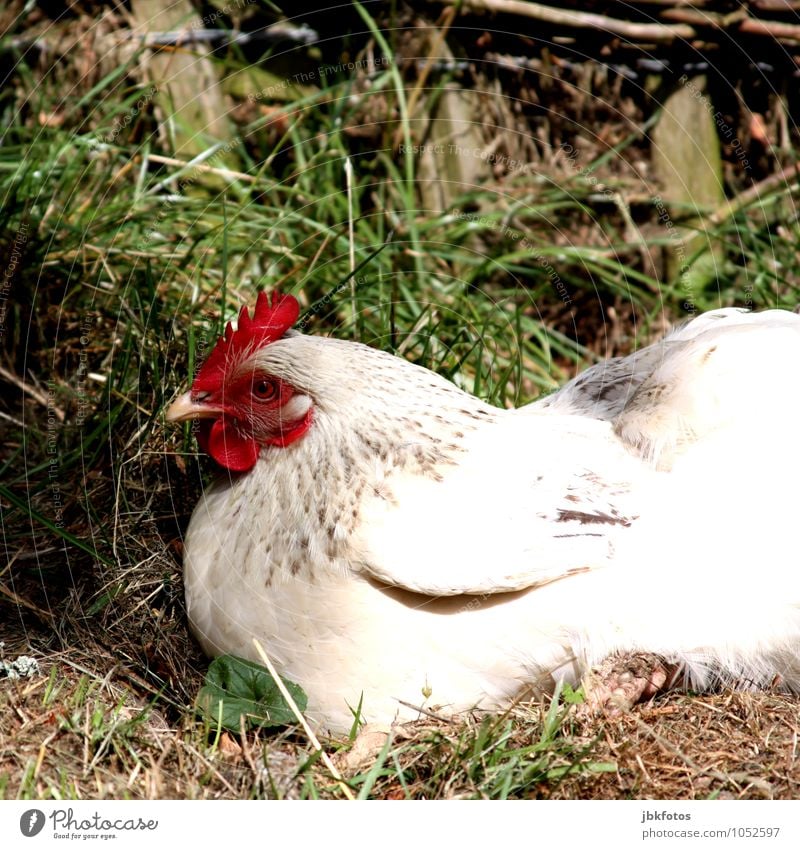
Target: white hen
(393,541)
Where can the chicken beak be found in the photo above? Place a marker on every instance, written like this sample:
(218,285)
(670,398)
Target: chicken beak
(185,408)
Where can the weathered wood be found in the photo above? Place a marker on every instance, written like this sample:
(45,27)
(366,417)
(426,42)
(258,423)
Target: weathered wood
(449,161)
(570,18)
(688,165)
(190,99)
(691,20)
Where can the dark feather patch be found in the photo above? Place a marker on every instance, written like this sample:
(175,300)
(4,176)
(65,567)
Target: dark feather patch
(592,518)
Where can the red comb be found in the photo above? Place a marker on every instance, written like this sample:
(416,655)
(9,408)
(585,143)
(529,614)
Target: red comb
(269,322)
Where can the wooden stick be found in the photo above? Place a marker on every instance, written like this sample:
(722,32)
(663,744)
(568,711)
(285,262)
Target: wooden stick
(688,20)
(570,18)
(775,29)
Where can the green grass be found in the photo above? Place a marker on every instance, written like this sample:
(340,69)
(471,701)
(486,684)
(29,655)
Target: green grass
(130,267)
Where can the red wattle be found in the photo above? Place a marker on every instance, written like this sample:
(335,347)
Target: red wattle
(229,448)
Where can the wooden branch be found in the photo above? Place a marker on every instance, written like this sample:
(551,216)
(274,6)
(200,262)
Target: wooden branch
(776,5)
(777,30)
(689,20)
(569,18)
(694,4)
(698,18)
(221,37)
(739,20)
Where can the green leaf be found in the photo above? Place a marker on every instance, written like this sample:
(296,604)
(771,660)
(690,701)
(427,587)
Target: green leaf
(570,696)
(236,687)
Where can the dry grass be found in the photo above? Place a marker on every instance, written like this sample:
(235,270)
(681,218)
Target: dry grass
(730,746)
(89,727)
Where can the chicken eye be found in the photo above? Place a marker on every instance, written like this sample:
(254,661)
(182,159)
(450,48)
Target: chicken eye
(265,390)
